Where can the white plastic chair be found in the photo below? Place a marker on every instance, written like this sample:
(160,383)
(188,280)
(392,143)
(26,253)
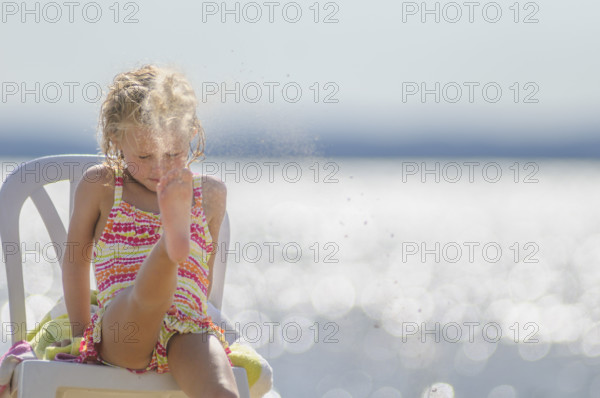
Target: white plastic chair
(45,379)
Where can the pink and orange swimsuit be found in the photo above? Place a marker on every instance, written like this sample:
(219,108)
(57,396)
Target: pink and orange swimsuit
(127,239)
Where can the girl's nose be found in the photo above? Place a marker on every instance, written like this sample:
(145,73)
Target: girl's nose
(159,168)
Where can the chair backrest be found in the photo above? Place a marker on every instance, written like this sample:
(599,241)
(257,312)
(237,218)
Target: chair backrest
(28,181)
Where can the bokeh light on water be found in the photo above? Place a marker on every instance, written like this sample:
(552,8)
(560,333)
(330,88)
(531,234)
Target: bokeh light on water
(386,392)
(439,390)
(503,391)
(332,296)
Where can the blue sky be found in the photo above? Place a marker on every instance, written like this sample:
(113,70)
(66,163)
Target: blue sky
(333,78)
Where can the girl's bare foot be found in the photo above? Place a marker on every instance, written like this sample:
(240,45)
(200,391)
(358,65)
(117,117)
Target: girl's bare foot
(175,190)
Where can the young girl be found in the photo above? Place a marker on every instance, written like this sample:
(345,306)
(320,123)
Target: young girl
(149,225)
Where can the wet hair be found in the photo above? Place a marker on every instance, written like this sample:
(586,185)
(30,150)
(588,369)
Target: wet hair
(158,100)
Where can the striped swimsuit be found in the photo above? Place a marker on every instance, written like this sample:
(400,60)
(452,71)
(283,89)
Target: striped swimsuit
(127,239)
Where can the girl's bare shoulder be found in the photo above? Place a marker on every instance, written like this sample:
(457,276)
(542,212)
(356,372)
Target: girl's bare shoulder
(99,175)
(98,182)
(92,202)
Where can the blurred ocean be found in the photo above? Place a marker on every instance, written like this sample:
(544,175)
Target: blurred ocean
(397,277)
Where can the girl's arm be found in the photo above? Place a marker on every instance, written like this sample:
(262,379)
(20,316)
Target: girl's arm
(80,237)
(214,199)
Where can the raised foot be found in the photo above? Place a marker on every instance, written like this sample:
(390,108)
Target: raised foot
(175,190)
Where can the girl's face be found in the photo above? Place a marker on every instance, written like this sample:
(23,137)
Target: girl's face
(147,161)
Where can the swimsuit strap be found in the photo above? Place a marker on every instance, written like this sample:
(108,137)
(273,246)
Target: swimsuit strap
(197,190)
(118,186)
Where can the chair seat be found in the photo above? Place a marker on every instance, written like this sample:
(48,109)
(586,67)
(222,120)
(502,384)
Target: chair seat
(90,381)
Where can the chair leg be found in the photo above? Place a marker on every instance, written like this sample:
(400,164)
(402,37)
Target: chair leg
(241,380)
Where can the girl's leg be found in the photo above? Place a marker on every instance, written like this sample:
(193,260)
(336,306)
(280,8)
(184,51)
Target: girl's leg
(200,366)
(132,321)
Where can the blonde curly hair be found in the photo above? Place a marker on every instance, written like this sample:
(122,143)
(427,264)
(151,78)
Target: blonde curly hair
(159,100)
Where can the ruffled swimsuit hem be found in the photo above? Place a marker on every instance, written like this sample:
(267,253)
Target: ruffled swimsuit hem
(171,325)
